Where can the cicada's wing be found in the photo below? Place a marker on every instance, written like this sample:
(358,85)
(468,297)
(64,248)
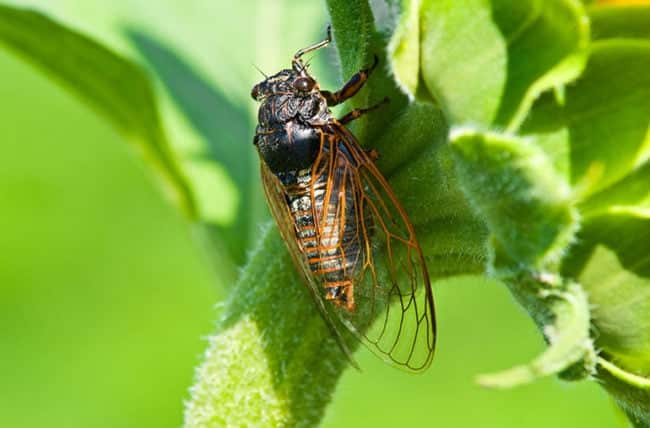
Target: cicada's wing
(393,302)
(277,201)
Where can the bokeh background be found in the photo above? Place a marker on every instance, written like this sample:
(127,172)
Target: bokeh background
(107,293)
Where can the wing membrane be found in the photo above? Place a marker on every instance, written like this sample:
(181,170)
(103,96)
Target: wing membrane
(394,313)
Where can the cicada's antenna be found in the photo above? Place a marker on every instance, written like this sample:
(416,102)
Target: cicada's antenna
(297,62)
(261,72)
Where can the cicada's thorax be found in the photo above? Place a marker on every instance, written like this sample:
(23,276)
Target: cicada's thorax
(287,137)
(292,132)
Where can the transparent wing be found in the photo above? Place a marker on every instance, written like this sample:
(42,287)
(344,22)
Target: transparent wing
(393,312)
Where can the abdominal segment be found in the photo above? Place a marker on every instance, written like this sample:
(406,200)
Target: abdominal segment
(332,243)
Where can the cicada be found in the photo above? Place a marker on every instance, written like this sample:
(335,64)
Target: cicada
(343,225)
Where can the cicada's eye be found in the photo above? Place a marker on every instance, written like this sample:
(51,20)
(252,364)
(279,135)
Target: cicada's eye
(255,92)
(304,84)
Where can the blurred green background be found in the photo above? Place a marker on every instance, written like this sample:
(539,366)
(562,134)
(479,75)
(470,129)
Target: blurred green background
(107,294)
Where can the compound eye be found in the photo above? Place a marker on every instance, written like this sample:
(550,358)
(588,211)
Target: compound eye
(303,84)
(255,92)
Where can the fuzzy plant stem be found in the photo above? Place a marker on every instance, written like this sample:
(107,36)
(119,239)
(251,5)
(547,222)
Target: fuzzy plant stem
(273,362)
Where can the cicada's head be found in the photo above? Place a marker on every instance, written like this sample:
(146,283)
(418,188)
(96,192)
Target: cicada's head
(294,82)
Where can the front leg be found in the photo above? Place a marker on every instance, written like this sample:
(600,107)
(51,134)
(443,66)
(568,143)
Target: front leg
(351,87)
(358,112)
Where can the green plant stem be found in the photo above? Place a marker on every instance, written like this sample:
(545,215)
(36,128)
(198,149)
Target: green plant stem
(630,391)
(273,361)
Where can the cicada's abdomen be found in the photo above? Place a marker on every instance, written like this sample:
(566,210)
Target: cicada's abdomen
(332,244)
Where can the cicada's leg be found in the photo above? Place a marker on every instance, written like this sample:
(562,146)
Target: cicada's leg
(297,61)
(372,154)
(358,112)
(351,87)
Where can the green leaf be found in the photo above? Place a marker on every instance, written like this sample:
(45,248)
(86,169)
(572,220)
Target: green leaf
(421,172)
(630,193)
(603,123)
(225,128)
(404,49)
(463,59)
(556,33)
(529,211)
(620,21)
(613,264)
(598,136)
(486,62)
(567,332)
(114,86)
(513,187)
